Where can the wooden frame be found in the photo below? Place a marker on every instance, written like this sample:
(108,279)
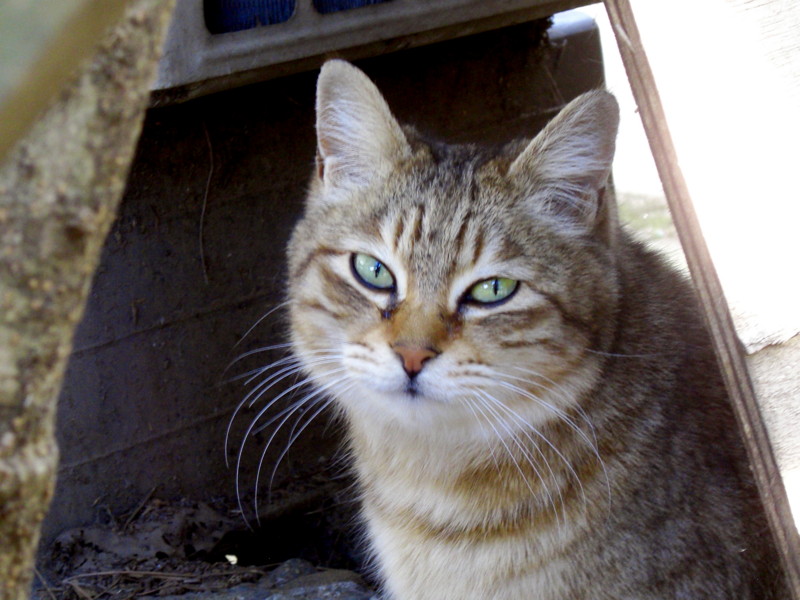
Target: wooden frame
(727,345)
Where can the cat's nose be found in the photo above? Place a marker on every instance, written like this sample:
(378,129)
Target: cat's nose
(413,357)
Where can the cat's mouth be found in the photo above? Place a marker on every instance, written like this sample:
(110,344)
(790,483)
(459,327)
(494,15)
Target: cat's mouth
(412,389)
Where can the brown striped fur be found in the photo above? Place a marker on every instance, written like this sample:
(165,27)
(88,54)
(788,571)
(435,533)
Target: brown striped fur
(573,442)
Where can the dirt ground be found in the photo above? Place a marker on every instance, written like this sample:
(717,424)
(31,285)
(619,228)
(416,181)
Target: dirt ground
(165,549)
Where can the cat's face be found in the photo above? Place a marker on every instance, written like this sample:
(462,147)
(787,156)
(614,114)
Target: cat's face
(439,285)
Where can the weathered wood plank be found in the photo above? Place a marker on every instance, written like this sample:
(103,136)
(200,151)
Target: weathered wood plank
(728,347)
(776,377)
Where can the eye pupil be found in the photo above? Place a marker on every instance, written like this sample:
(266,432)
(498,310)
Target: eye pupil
(495,286)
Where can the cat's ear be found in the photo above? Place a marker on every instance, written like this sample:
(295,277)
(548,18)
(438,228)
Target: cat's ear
(567,165)
(358,139)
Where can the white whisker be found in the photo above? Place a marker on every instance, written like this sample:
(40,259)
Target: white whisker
(303,405)
(590,442)
(244,355)
(255,420)
(618,355)
(510,433)
(318,358)
(527,429)
(474,411)
(265,385)
(525,452)
(549,406)
(295,433)
(567,390)
(253,374)
(260,319)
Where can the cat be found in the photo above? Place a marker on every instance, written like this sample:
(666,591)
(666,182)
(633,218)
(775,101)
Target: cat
(532,406)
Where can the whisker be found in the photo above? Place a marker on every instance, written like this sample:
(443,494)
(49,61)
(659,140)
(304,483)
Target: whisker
(549,406)
(303,405)
(244,355)
(276,417)
(260,319)
(261,387)
(527,429)
(513,437)
(294,435)
(565,389)
(264,386)
(297,385)
(295,407)
(469,403)
(619,355)
(252,426)
(591,443)
(268,382)
(252,374)
(320,354)
(306,381)
(525,453)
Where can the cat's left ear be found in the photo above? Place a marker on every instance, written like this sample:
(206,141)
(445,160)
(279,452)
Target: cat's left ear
(567,165)
(358,139)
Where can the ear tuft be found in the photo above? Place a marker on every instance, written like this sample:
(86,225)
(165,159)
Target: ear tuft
(566,166)
(358,139)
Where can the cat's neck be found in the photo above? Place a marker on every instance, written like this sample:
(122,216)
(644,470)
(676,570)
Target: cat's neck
(480,480)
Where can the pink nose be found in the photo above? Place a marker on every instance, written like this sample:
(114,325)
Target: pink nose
(413,357)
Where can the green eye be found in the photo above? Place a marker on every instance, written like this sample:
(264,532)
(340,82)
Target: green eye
(492,290)
(372,272)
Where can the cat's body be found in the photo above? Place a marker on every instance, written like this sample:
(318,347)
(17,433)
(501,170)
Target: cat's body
(533,408)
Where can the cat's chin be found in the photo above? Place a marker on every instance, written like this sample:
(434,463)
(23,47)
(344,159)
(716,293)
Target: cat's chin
(400,401)
(413,391)
(410,393)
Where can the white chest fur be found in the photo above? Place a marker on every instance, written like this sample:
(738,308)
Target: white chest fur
(516,566)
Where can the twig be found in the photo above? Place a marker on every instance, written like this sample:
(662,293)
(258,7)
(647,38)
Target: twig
(160,575)
(205,202)
(80,591)
(138,509)
(46,585)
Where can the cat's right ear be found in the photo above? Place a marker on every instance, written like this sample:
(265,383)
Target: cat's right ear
(358,139)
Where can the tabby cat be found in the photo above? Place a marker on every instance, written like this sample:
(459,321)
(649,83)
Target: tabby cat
(532,407)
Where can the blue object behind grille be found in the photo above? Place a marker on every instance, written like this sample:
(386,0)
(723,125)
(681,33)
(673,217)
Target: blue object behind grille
(223,16)
(329,6)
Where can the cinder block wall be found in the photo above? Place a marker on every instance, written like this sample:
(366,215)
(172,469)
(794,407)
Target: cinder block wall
(196,258)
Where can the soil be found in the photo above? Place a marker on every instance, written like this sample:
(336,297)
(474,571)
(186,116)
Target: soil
(305,543)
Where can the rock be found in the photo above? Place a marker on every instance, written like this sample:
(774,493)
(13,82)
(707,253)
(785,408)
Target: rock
(332,584)
(295,579)
(290,570)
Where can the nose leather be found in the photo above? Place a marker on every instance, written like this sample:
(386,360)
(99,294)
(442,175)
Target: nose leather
(413,357)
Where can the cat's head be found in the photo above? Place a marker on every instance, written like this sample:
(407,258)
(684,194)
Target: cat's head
(435,284)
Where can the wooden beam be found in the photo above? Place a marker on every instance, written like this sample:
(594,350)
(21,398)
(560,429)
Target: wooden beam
(718,318)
